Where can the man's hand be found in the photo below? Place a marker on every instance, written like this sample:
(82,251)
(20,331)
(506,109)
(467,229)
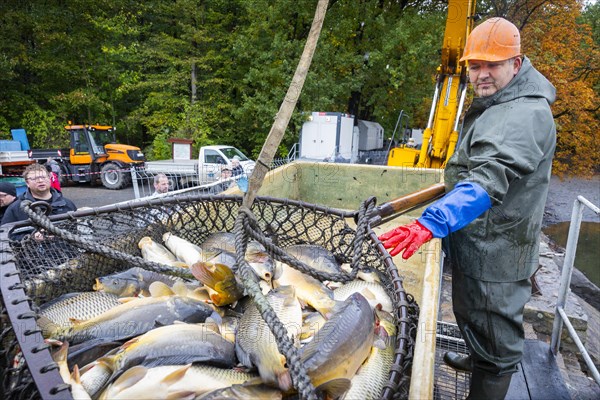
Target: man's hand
(406,237)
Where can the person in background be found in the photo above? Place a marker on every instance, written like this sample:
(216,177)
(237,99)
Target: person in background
(236,168)
(161,184)
(54,182)
(54,167)
(37,179)
(491,216)
(8,194)
(224,182)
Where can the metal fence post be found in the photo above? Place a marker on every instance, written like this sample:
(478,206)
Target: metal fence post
(567,270)
(134,181)
(561,316)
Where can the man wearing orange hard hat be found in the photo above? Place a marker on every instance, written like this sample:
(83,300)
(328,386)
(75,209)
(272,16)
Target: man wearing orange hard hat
(491,215)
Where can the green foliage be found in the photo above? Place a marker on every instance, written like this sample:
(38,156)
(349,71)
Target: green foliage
(216,71)
(43,129)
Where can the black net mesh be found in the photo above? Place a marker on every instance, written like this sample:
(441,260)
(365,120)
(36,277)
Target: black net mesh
(98,243)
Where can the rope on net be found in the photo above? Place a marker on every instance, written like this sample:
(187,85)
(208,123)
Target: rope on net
(298,373)
(36,212)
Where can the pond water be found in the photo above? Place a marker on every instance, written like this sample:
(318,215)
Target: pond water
(587,257)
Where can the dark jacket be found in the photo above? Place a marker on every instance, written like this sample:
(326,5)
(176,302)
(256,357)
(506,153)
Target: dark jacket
(3,210)
(59,204)
(507,148)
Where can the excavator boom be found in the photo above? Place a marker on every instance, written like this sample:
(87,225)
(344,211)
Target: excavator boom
(441,134)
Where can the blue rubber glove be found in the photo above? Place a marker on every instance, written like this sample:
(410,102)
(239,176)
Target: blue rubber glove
(456,209)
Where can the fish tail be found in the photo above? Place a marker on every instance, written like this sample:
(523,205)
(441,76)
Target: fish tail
(211,274)
(49,328)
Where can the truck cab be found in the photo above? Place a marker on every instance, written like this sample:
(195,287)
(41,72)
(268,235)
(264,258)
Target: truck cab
(211,159)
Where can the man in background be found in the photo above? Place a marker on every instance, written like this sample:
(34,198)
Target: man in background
(8,194)
(37,179)
(224,182)
(161,184)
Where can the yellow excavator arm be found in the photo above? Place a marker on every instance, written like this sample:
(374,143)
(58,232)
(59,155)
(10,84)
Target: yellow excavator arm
(441,134)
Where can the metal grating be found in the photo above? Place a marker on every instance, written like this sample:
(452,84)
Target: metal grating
(449,383)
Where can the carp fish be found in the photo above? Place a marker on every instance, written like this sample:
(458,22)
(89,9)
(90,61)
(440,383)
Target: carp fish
(256,254)
(184,250)
(340,347)
(130,319)
(171,345)
(256,345)
(171,381)
(374,293)
(79,306)
(132,282)
(152,251)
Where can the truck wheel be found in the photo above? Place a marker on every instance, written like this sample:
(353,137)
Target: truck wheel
(113,177)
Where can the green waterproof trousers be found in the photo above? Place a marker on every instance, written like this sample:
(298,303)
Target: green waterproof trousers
(490,318)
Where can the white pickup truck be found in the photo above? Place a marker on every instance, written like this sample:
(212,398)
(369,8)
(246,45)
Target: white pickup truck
(207,169)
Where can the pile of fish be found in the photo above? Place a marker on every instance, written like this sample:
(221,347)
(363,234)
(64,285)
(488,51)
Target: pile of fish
(144,335)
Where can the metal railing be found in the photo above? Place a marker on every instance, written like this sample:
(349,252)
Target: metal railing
(183,181)
(560,316)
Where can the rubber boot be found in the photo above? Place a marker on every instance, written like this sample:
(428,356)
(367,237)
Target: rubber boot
(486,386)
(458,361)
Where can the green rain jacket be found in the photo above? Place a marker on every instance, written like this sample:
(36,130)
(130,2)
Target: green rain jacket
(507,147)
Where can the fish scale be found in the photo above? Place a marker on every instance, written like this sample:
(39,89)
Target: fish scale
(133,318)
(256,345)
(80,306)
(341,345)
(177,344)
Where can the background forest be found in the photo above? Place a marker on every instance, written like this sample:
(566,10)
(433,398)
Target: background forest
(216,71)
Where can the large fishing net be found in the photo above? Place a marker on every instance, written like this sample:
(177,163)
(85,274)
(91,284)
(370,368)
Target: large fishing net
(86,245)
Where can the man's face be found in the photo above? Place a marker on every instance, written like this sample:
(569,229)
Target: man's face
(487,77)
(6,199)
(225,174)
(162,186)
(38,182)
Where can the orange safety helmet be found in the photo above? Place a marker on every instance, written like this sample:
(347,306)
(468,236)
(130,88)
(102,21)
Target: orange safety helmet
(495,39)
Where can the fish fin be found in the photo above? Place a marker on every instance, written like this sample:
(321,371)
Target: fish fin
(179,264)
(180,289)
(98,286)
(53,342)
(176,375)
(243,356)
(76,375)
(76,321)
(124,300)
(129,342)
(200,293)
(158,289)
(181,395)
(368,294)
(47,326)
(129,378)
(210,274)
(335,388)
(61,354)
(253,381)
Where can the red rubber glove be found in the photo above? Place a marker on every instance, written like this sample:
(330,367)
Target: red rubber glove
(406,237)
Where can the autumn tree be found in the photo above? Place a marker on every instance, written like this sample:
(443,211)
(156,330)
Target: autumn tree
(562,47)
